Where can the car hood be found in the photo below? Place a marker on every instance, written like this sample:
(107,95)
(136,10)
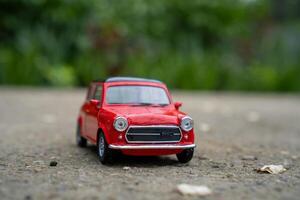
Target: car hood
(147,115)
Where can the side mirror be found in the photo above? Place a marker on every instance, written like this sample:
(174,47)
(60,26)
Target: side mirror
(95,102)
(177,105)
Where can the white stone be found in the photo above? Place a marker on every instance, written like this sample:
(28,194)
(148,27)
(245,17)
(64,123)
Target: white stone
(272,169)
(196,190)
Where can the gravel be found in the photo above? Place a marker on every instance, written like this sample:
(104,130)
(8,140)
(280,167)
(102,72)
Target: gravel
(236,133)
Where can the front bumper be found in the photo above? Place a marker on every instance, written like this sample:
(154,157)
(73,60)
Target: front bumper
(152,146)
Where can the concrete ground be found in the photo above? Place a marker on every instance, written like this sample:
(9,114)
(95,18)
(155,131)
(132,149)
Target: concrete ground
(236,134)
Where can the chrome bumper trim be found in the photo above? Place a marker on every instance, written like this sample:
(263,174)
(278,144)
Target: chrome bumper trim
(154,146)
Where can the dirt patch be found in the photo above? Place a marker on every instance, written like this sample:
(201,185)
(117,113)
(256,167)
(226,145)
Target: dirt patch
(236,134)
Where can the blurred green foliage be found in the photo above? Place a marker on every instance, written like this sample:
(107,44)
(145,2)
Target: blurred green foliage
(194,44)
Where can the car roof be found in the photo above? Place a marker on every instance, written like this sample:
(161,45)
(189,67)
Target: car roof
(128,79)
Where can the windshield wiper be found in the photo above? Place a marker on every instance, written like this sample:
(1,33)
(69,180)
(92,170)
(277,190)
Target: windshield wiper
(149,104)
(161,104)
(140,104)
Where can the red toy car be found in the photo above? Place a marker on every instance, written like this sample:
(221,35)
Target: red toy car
(135,116)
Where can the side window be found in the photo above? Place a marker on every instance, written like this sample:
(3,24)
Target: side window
(98,93)
(90,94)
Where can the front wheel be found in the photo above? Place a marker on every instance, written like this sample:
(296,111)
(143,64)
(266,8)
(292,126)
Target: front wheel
(185,156)
(104,153)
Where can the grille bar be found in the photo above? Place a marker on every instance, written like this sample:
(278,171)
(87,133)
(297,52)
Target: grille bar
(153,134)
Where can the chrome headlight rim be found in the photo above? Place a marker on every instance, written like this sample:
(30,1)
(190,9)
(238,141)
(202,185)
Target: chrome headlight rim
(187,123)
(119,127)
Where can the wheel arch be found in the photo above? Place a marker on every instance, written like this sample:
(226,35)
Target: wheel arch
(105,132)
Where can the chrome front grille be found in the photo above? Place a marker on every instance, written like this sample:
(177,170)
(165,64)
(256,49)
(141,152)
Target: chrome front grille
(153,134)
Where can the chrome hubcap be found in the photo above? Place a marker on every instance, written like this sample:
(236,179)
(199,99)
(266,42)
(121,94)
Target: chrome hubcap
(101,146)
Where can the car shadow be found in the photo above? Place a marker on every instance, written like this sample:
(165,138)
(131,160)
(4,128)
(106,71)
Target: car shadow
(120,159)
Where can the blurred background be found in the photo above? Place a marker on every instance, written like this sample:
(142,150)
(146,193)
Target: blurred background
(250,45)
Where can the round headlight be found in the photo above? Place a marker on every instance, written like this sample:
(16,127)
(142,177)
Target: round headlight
(187,123)
(120,124)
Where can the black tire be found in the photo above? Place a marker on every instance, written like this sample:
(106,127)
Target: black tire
(104,153)
(185,156)
(80,141)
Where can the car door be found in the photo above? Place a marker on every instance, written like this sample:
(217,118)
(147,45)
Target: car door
(86,109)
(92,112)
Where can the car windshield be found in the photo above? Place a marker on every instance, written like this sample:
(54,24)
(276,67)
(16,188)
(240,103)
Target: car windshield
(137,95)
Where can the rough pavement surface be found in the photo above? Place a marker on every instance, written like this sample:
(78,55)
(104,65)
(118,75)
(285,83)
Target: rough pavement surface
(236,134)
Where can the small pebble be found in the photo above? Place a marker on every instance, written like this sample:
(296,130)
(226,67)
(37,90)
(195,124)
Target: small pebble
(215,166)
(38,162)
(193,190)
(53,163)
(271,169)
(126,168)
(249,157)
(37,170)
(203,158)
(229,175)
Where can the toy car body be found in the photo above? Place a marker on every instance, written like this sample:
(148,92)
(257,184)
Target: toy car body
(135,116)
